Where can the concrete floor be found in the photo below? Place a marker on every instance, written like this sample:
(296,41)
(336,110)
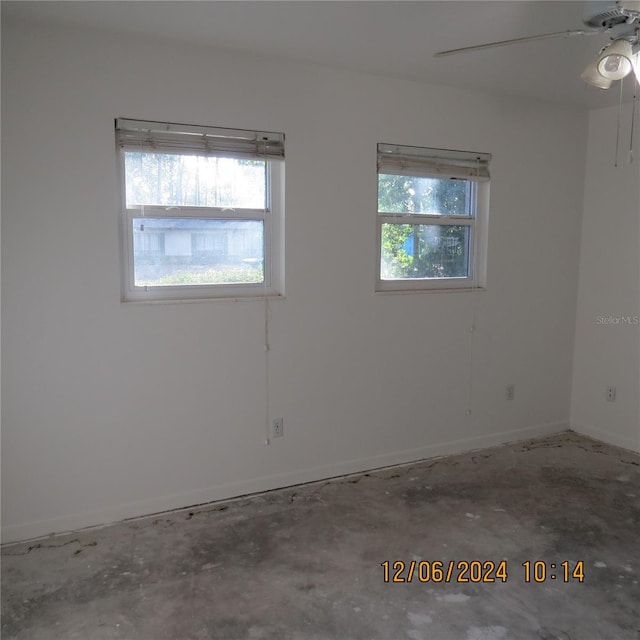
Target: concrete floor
(305,563)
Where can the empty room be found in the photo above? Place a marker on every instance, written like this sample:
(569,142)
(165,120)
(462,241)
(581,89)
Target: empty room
(320,320)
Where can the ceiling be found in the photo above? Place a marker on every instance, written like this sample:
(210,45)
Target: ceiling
(392,37)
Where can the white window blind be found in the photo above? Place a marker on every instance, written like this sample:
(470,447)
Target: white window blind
(441,163)
(160,137)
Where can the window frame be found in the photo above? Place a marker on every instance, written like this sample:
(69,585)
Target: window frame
(271,217)
(476,221)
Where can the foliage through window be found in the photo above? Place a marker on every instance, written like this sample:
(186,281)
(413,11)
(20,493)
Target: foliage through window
(431,218)
(202,211)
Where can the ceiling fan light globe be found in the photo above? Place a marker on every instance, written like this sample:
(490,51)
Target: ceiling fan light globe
(614,67)
(615,62)
(592,76)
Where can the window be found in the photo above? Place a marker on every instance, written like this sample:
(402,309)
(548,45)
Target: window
(432,218)
(202,211)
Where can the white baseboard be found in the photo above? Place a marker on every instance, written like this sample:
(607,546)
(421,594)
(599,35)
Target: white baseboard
(633,444)
(108,515)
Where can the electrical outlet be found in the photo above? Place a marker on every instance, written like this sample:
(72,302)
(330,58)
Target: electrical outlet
(510,392)
(611,394)
(278,427)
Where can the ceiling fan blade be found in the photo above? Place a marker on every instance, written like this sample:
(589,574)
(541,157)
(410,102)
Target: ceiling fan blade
(504,43)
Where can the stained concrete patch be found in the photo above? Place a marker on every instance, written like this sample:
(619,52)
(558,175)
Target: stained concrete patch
(419,619)
(453,598)
(486,633)
(545,633)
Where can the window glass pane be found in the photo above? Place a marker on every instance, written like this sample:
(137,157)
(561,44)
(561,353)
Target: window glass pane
(424,251)
(194,181)
(413,194)
(187,251)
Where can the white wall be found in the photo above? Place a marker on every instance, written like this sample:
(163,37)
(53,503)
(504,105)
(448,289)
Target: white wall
(114,410)
(607,346)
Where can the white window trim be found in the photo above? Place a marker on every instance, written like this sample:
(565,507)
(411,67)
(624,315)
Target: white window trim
(478,224)
(273,236)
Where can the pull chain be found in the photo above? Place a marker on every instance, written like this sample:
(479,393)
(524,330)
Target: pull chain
(633,119)
(618,128)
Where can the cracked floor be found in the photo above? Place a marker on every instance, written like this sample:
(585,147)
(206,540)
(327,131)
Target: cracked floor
(308,563)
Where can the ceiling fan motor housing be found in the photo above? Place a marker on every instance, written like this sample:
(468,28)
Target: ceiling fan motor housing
(608,14)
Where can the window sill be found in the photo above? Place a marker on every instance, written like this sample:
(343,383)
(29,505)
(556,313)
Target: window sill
(252,298)
(395,292)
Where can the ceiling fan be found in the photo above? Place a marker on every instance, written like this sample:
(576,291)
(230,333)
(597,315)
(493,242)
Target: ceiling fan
(619,19)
